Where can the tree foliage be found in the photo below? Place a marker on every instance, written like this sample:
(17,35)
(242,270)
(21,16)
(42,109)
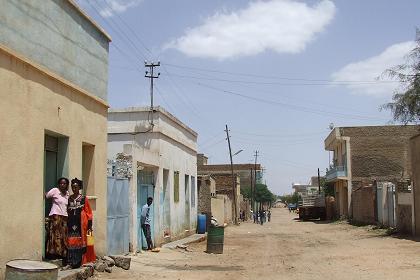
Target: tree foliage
(405,104)
(246,191)
(262,193)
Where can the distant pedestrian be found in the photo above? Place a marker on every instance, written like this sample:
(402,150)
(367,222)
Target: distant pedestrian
(262,217)
(269,216)
(145,221)
(254,215)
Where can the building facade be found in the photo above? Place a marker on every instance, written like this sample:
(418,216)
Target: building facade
(243,170)
(53,76)
(364,155)
(163,151)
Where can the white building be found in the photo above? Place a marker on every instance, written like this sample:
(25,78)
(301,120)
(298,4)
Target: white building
(163,152)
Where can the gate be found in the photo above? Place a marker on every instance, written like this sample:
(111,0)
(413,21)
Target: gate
(117,217)
(385,198)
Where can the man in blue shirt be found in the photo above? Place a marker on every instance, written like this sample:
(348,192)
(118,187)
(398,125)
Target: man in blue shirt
(145,223)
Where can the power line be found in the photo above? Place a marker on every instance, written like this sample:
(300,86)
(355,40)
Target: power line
(164,100)
(114,44)
(289,106)
(212,144)
(279,135)
(130,29)
(270,77)
(329,83)
(120,30)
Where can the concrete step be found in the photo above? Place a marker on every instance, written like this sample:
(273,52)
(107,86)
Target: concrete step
(185,241)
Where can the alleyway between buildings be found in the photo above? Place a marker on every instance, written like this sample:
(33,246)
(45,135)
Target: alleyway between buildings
(286,248)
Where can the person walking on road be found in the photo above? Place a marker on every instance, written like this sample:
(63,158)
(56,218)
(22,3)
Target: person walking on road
(269,215)
(261,217)
(145,223)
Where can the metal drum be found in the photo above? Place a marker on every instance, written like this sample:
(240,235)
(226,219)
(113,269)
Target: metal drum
(31,270)
(215,240)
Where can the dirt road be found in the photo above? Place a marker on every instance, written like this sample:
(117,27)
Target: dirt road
(286,249)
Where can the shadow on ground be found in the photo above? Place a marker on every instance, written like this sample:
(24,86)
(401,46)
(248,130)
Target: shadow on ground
(199,267)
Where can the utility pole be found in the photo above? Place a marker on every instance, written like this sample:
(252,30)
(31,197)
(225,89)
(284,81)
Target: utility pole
(319,183)
(235,215)
(255,176)
(150,74)
(252,194)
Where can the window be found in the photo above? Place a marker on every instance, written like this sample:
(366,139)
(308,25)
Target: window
(176,186)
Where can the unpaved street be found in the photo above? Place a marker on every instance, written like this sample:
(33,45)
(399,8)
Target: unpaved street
(286,249)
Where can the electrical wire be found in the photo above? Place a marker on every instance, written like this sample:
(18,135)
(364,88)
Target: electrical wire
(120,31)
(130,29)
(273,77)
(289,106)
(280,83)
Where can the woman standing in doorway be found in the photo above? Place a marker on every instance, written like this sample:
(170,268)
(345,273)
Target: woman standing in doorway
(57,221)
(79,224)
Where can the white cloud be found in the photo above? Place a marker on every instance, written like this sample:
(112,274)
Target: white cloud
(111,7)
(284,26)
(373,67)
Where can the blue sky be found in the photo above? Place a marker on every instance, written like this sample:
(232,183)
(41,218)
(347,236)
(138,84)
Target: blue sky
(276,72)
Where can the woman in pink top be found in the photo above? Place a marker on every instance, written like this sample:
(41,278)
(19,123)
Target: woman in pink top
(57,221)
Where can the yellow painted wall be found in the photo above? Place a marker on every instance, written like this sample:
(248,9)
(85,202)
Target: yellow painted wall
(32,102)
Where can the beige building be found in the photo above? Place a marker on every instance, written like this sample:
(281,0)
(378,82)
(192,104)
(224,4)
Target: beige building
(53,111)
(362,155)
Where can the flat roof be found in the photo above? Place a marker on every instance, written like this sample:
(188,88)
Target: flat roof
(157,109)
(86,16)
(227,167)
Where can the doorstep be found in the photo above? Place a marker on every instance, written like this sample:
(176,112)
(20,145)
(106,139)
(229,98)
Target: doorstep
(185,241)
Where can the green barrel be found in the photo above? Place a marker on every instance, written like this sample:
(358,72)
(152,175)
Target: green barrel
(215,239)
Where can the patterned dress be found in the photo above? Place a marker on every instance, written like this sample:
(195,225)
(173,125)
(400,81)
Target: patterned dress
(56,247)
(79,220)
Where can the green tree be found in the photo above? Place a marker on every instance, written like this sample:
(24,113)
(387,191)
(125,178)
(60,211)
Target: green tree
(246,191)
(405,105)
(263,194)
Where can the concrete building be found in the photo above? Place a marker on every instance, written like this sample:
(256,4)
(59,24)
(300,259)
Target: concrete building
(243,170)
(362,155)
(224,186)
(53,76)
(164,161)
(212,204)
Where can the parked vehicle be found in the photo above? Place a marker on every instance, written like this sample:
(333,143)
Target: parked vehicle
(312,207)
(292,206)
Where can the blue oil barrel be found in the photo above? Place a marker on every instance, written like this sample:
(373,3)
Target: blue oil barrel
(201,225)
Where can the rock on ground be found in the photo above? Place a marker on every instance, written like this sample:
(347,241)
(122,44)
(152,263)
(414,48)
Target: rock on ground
(121,261)
(109,261)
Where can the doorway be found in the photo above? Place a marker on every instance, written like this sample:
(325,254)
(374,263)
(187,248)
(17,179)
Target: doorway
(145,189)
(55,166)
